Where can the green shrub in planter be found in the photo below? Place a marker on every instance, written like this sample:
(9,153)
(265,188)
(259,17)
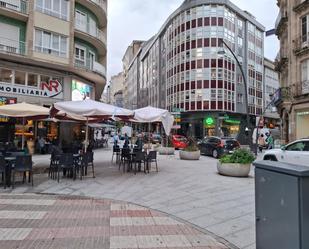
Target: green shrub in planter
(192,145)
(241,156)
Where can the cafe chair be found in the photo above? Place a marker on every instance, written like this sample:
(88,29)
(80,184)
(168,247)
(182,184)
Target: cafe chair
(139,159)
(116,152)
(66,164)
(125,158)
(23,164)
(88,162)
(151,158)
(3,170)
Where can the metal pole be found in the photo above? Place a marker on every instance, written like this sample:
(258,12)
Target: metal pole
(87,135)
(23,135)
(245,86)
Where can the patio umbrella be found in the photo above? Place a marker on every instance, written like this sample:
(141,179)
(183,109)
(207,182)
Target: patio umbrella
(91,109)
(24,110)
(151,114)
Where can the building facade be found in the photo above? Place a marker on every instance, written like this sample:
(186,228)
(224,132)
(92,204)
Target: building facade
(271,85)
(116,85)
(130,63)
(293,66)
(182,67)
(50,51)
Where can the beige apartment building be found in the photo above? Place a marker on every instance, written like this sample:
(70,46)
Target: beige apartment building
(116,89)
(131,80)
(50,51)
(292,29)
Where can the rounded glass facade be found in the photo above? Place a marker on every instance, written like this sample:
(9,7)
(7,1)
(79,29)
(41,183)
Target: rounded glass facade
(198,78)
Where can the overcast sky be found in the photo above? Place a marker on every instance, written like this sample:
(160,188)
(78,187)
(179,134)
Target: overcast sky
(140,19)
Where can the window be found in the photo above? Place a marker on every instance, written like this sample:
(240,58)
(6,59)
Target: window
(298,146)
(6,75)
(56,8)
(304,29)
(240,98)
(20,78)
(305,77)
(50,43)
(32,79)
(81,20)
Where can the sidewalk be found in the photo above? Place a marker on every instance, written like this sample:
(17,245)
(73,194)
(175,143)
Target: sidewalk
(31,221)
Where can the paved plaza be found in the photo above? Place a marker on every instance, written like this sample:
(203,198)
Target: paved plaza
(65,222)
(192,191)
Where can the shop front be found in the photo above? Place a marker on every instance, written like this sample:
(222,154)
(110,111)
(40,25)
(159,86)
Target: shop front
(76,131)
(34,86)
(302,124)
(204,124)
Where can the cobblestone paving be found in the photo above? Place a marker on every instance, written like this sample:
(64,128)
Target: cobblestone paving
(30,221)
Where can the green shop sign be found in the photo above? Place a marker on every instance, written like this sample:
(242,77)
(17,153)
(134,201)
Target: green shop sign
(209,121)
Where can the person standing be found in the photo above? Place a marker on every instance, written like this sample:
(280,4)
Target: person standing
(270,141)
(126,141)
(261,142)
(42,145)
(116,139)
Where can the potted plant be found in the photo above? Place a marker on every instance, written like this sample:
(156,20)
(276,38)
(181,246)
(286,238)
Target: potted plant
(168,149)
(191,152)
(237,164)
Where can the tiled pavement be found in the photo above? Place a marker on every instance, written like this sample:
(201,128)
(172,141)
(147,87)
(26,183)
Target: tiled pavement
(192,191)
(31,221)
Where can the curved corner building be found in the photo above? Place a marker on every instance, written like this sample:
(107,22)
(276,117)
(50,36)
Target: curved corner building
(52,50)
(181,69)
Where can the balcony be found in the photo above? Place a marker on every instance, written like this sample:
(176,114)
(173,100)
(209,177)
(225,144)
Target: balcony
(281,95)
(91,34)
(90,65)
(301,45)
(9,46)
(98,8)
(17,9)
(101,3)
(281,22)
(301,89)
(301,5)
(281,61)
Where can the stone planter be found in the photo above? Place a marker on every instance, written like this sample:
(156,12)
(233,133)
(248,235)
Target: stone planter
(189,155)
(166,151)
(233,169)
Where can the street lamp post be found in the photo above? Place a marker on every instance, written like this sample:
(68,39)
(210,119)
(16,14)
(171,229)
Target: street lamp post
(247,129)
(262,117)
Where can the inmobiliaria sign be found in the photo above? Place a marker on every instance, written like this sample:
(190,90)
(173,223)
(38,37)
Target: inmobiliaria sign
(51,89)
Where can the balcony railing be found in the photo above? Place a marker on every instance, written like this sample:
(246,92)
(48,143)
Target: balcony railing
(101,3)
(12,46)
(91,30)
(90,65)
(301,45)
(300,5)
(19,6)
(301,88)
(281,19)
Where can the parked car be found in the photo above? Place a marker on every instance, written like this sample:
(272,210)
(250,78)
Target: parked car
(216,146)
(179,141)
(156,138)
(296,152)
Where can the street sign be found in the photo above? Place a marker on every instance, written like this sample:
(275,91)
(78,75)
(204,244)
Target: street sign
(176,127)
(177,110)
(175,113)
